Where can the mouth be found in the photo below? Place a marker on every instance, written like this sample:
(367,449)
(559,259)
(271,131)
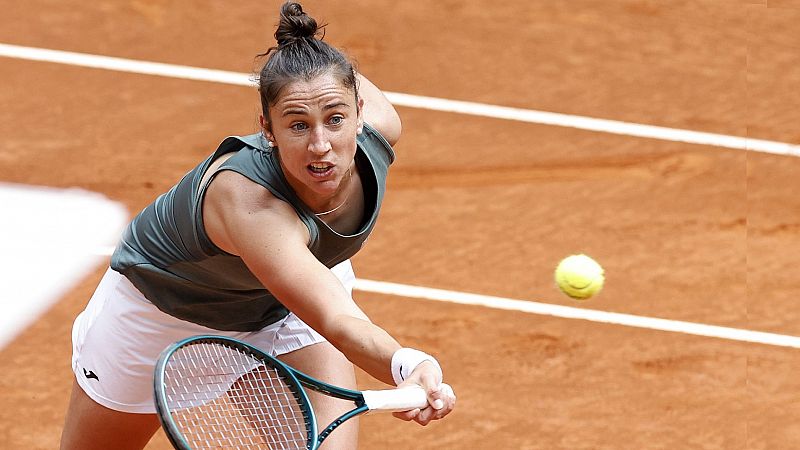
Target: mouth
(320,169)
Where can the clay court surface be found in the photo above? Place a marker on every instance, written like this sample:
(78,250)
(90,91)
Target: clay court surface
(688,232)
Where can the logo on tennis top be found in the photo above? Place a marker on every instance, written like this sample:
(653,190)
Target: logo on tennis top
(90,374)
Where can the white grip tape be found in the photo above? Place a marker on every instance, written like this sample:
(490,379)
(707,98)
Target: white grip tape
(403,399)
(405,360)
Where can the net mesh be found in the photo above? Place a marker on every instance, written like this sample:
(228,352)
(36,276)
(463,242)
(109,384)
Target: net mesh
(222,397)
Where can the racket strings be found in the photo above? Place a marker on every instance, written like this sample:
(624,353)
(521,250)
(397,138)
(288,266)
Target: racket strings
(221,397)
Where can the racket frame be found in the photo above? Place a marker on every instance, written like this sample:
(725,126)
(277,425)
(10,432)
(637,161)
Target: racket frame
(299,379)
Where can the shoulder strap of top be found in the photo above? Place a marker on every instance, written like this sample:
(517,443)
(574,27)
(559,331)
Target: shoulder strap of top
(234,143)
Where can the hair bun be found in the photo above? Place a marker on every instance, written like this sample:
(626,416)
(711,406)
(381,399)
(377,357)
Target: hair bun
(294,25)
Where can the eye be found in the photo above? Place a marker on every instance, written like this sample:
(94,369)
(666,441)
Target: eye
(298,126)
(336,120)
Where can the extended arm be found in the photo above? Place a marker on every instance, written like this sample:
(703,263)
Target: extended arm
(236,213)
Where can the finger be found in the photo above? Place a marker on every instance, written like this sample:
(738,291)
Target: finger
(430,414)
(442,397)
(448,394)
(437,400)
(448,399)
(407,415)
(425,416)
(447,389)
(432,388)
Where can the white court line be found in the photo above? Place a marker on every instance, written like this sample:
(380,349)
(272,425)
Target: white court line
(416,101)
(566,312)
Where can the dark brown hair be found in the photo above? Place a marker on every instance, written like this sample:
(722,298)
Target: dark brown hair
(300,55)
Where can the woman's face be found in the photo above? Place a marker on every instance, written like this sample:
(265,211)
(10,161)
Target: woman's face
(314,125)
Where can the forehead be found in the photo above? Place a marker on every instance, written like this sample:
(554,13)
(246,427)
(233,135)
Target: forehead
(316,92)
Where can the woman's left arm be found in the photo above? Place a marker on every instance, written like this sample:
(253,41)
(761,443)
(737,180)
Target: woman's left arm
(378,111)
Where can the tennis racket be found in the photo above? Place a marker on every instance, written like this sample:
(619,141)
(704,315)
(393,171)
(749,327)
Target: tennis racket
(221,393)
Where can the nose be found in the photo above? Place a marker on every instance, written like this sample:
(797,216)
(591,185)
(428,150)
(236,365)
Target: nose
(319,143)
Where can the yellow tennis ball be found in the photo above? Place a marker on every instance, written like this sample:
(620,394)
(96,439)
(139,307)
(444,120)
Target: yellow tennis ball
(579,276)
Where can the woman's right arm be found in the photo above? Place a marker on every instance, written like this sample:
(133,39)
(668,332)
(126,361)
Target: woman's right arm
(236,214)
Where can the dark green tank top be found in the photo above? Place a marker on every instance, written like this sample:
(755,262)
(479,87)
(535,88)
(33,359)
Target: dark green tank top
(167,255)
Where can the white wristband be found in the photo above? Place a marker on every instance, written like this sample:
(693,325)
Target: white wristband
(405,360)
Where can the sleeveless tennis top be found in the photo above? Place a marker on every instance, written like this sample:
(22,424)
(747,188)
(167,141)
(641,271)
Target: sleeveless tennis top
(167,255)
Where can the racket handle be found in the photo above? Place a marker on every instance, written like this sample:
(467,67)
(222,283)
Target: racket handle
(402,399)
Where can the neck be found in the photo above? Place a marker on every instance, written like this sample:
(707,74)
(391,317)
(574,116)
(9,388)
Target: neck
(346,197)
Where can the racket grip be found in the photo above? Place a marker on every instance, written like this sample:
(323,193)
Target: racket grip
(402,399)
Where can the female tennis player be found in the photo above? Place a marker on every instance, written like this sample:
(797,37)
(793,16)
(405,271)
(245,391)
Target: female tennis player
(254,243)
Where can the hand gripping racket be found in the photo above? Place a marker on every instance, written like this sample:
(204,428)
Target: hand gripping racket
(221,393)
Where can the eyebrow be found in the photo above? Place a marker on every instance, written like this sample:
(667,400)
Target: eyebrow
(335,105)
(290,111)
(300,111)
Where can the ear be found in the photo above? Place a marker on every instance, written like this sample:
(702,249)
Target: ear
(266,129)
(360,115)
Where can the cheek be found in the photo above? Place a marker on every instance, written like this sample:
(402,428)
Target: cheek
(346,148)
(292,158)
(346,141)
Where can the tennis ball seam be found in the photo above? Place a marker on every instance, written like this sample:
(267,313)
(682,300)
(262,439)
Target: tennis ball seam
(579,276)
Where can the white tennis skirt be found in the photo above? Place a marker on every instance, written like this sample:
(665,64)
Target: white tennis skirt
(117,339)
